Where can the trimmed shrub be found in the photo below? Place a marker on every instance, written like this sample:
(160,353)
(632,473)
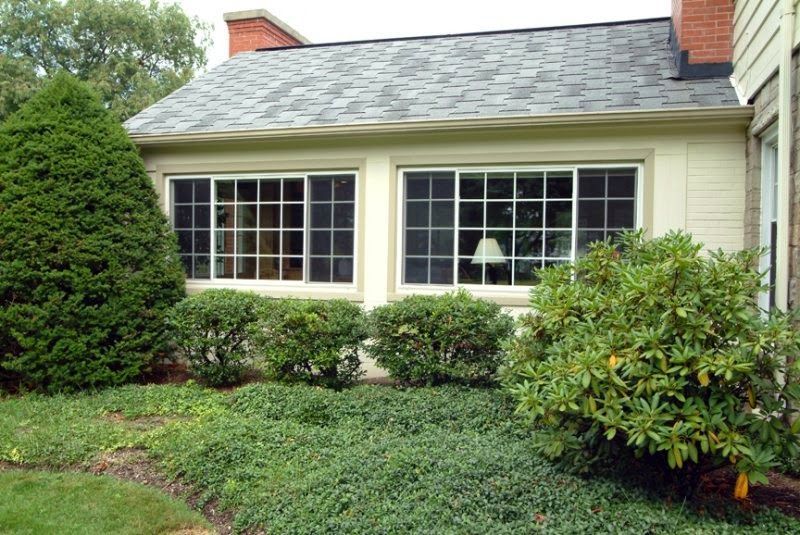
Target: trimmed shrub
(661,351)
(311,341)
(88,264)
(211,329)
(436,339)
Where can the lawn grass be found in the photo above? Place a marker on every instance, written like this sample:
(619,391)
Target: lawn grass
(299,459)
(42,502)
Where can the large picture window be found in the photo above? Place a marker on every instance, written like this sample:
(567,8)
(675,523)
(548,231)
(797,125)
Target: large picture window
(266,228)
(498,227)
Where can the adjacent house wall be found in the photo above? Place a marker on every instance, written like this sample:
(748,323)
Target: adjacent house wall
(694,179)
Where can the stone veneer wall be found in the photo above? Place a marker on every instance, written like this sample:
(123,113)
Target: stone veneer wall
(766,115)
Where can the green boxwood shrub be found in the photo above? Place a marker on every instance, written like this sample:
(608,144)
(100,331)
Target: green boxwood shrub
(661,351)
(211,330)
(88,264)
(436,339)
(312,341)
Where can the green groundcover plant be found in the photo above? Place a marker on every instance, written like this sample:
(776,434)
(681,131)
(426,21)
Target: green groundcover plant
(211,330)
(661,350)
(88,264)
(440,338)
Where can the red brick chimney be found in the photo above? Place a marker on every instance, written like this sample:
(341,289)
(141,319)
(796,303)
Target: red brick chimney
(702,37)
(258,28)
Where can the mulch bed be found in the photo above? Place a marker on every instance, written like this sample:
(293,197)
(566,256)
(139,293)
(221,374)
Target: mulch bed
(783,491)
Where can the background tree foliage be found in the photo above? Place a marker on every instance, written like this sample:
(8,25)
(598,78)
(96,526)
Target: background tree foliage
(131,53)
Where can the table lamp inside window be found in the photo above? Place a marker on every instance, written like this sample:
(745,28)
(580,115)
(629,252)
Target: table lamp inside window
(489,254)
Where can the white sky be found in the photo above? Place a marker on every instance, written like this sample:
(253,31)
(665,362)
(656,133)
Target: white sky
(346,20)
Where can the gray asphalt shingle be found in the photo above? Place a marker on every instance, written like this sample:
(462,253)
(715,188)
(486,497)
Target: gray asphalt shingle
(579,69)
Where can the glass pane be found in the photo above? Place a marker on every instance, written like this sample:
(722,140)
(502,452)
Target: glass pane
(344,215)
(292,269)
(321,189)
(183,216)
(202,241)
(202,267)
(441,271)
(559,185)
(247,190)
(558,214)
(622,183)
(525,272)
(270,191)
(268,268)
(498,272)
(529,243)
(184,241)
(417,213)
(225,215)
(416,271)
(442,242)
(503,238)
(224,267)
(591,214)
(319,269)
(343,269)
(293,216)
(620,214)
(321,216)
(344,188)
(247,215)
(471,185)
(226,191)
(444,186)
(499,214)
(269,242)
(585,237)
(182,191)
(468,241)
(270,215)
(443,214)
(417,186)
(591,183)
(320,242)
(558,243)
(500,186)
(202,216)
(293,190)
(225,241)
(246,267)
(529,214)
(246,242)
(417,242)
(202,193)
(186,260)
(293,242)
(530,185)
(343,242)
(470,214)
(469,273)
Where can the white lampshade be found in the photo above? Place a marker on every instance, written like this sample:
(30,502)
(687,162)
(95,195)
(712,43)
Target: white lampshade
(488,252)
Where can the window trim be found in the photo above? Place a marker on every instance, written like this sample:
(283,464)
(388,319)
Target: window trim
(769,161)
(485,289)
(305,284)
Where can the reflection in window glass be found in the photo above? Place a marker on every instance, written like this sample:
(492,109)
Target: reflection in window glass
(191,219)
(606,204)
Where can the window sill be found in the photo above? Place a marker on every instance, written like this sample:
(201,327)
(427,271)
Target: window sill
(513,297)
(282,289)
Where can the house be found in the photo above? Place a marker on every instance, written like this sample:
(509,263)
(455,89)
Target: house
(374,169)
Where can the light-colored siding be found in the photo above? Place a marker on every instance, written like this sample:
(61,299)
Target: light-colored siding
(756,42)
(715,194)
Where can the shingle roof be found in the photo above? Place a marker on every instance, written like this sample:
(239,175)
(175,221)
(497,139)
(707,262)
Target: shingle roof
(610,67)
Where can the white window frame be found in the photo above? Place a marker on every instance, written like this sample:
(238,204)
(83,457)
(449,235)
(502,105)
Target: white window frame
(402,288)
(215,281)
(767,202)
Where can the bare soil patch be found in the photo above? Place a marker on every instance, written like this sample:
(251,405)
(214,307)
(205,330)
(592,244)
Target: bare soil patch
(783,491)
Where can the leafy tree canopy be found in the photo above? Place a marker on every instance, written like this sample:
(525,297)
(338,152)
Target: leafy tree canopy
(131,53)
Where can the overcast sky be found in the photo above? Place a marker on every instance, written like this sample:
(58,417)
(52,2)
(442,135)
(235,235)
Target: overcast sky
(346,20)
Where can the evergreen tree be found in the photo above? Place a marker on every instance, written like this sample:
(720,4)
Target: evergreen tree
(88,264)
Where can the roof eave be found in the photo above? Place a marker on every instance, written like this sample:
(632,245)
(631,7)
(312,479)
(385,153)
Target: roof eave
(728,115)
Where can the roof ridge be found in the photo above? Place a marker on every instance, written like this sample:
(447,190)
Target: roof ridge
(467,34)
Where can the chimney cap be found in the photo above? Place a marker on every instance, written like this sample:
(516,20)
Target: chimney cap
(234,16)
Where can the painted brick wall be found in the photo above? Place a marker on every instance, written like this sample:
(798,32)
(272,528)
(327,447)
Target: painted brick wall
(252,34)
(705,29)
